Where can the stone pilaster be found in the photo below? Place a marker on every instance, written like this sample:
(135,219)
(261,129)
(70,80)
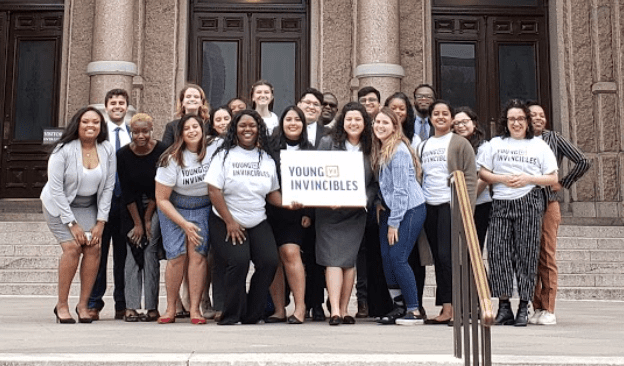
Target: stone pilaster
(378,46)
(111,56)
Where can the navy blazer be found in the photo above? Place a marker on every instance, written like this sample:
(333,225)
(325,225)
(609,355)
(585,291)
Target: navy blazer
(65,171)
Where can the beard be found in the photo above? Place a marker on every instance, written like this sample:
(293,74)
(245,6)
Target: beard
(423,112)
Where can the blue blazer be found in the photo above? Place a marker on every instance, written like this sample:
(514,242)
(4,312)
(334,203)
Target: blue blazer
(65,171)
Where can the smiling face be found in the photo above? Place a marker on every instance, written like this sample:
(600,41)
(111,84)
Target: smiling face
(192,134)
(538,119)
(463,125)
(423,99)
(517,123)
(262,95)
(221,120)
(141,133)
(293,125)
(311,107)
(247,132)
(330,107)
(442,119)
(371,103)
(191,101)
(90,126)
(116,108)
(354,124)
(398,106)
(383,127)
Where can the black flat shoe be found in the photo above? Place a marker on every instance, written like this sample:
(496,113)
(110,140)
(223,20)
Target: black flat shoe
(293,320)
(60,320)
(274,319)
(435,321)
(318,314)
(348,319)
(83,320)
(392,316)
(335,320)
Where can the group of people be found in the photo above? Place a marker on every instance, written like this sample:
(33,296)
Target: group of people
(207,199)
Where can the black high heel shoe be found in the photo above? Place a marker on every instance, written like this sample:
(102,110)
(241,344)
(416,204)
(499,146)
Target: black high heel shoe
(83,320)
(63,321)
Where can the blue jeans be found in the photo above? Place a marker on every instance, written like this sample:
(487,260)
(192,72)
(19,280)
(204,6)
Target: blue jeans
(396,267)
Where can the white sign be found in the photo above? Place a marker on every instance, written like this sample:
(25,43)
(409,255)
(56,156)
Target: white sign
(323,178)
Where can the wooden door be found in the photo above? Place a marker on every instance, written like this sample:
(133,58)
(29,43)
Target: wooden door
(30,73)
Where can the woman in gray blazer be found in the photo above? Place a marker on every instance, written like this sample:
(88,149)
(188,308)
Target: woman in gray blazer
(76,201)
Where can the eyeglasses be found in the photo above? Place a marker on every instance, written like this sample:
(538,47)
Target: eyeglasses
(330,105)
(421,96)
(519,119)
(311,103)
(462,122)
(365,100)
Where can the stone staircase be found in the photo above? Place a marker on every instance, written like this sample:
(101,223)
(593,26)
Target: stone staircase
(590,258)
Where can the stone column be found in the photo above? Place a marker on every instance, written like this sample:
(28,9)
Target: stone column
(111,65)
(379,58)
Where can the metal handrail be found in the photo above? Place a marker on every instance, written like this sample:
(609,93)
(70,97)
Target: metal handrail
(470,285)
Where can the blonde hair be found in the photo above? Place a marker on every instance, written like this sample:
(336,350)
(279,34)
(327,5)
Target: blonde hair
(204,110)
(383,152)
(142,117)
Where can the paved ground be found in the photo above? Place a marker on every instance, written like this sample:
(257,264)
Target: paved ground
(586,329)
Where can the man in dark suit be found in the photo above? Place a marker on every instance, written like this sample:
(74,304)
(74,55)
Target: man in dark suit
(311,103)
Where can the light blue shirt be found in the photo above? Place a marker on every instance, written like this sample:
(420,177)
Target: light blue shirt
(418,122)
(398,185)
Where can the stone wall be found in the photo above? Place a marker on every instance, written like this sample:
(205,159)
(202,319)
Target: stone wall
(591,52)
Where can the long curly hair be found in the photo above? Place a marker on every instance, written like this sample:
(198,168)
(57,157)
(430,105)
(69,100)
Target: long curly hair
(71,130)
(502,128)
(408,124)
(210,130)
(339,135)
(175,151)
(231,136)
(204,109)
(382,152)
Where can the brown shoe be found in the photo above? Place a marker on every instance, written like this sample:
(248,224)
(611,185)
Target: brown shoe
(362,310)
(120,314)
(94,313)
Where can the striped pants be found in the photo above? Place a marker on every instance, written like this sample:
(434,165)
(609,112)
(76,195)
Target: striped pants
(514,244)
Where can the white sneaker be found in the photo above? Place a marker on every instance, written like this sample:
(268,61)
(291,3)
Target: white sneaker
(547,318)
(537,314)
(410,319)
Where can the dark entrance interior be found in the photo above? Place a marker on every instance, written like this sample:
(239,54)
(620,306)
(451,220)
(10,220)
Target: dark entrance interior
(233,43)
(489,51)
(30,57)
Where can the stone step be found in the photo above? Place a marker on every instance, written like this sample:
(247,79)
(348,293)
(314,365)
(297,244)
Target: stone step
(573,231)
(50,289)
(568,243)
(584,267)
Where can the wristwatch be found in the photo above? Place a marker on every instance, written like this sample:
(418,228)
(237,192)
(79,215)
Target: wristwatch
(70,224)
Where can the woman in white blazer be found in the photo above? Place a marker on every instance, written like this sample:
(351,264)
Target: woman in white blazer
(76,201)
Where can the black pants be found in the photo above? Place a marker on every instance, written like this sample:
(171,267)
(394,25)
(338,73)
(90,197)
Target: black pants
(379,301)
(438,228)
(315,274)
(420,272)
(112,231)
(259,247)
(482,220)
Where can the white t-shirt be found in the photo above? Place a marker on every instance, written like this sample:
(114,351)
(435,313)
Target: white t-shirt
(508,156)
(271,122)
(188,181)
(485,195)
(435,170)
(244,182)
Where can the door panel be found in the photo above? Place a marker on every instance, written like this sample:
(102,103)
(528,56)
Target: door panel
(234,49)
(31,99)
(485,56)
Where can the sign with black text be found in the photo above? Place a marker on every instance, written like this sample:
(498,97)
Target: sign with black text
(51,135)
(323,178)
